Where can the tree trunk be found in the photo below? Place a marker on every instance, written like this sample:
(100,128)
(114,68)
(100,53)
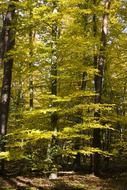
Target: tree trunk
(8,35)
(54,75)
(54,115)
(99,63)
(31,94)
(77,166)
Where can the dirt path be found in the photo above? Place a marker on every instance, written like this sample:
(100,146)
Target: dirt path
(66,182)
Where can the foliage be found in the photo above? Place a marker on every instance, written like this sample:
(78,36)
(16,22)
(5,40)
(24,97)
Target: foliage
(55,45)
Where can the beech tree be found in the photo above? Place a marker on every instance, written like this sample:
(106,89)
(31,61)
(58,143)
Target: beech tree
(100,64)
(8,37)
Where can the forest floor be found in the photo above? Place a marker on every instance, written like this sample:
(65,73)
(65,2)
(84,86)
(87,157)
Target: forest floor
(66,182)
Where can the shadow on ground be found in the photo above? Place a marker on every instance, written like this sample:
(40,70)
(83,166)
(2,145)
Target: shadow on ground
(71,182)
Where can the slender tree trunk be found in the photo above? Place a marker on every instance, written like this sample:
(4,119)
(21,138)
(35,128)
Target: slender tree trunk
(8,35)
(99,63)
(77,161)
(54,115)
(31,94)
(54,65)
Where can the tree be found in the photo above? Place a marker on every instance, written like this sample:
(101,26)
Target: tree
(8,36)
(99,63)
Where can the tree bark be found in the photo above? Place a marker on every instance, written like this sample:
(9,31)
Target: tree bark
(55,36)
(31,88)
(99,63)
(8,36)
(54,115)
